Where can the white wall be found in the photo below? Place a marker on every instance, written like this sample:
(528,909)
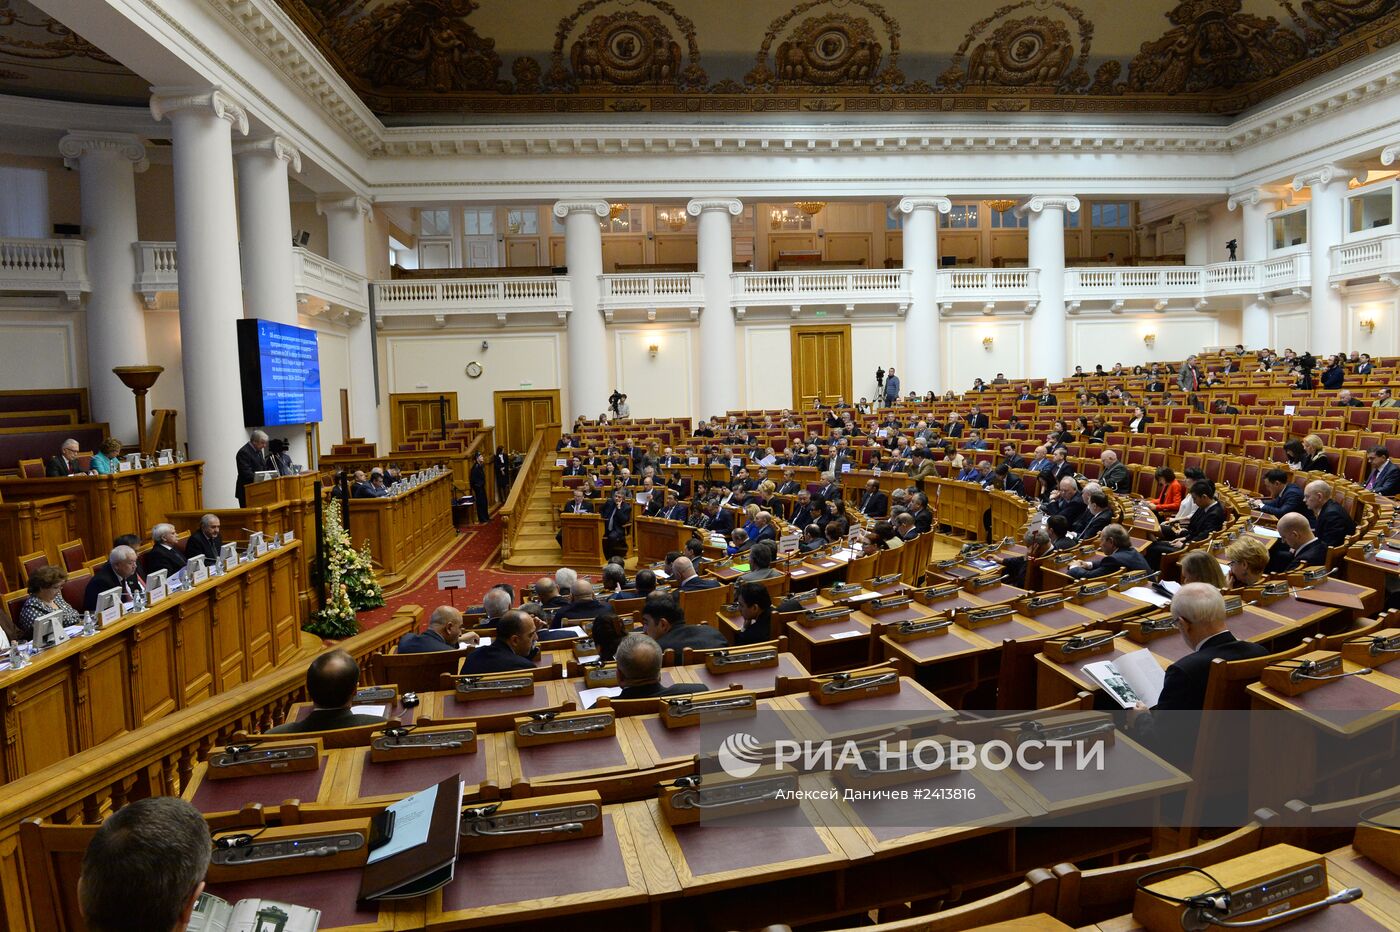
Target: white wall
(42,349)
(1121,339)
(1382,305)
(659,386)
(334,348)
(965,358)
(1291,330)
(163,349)
(437,362)
(767,367)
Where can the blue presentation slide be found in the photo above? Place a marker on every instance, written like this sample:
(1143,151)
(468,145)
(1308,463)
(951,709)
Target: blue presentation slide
(290,370)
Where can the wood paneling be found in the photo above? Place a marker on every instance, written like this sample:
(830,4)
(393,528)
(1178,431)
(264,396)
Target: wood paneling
(412,411)
(522,251)
(403,529)
(965,245)
(519,413)
(779,243)
(848,247)
(676,248)
(623,250)
(821,365)
(39,525)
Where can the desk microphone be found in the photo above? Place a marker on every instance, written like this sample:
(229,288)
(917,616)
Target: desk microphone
(1302,672)
(1201,918)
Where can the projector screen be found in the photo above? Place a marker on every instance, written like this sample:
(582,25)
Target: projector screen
(281,373)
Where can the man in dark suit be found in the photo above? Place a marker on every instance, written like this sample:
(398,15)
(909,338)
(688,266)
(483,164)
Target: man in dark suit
(1385,475)
(923,516)
(1330,522)
(683,571)
(1364,366)
(516,641)
(330,682)
(1208,518)
(66,463)
(764,529)
(672,509)
(663,620)
(1118,554)
(164,553)
(1097,515)
(206,540)
(251,458)
(1284,497)
(1199,610)
(1066,501)
(119,572)
(1006,480)
(1114,476)
(617,518)
(976,420)
(584,605)
(1304,548)
(444,632)
(1046,399)
(639,670)
(804,512)
(575,468)
(875,504)
(790,485)
(578,505)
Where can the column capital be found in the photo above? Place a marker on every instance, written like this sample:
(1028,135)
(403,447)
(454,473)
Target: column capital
(166,101)
(732,205)
(1254,195)
(1323,175)
(352,202)
(1390,154)
(1042,202)
(562,209)
(79,143)
(907,205)
(1195,215)
(278,147)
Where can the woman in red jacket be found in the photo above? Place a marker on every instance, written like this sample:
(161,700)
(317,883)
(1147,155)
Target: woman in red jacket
(1168,499)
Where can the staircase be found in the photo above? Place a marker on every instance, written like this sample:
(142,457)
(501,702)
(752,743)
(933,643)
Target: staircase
(535,549)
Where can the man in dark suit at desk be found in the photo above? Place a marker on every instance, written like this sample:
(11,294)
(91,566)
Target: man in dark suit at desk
(251,458)
(672,509)
(875,504)
(516,641)
(1284,497)
(1199,610)
(66,463)
(206,540)
(578,505)
(444,632)
(165,552)
(639,670)
(790,485)
(1385,475)
(1304,548)
(976,420)
(617,518)
(330,682)
(683,571)
(1097,515)
(1114,476)
(1118,554)
(119,572)
(803,513)
(1208,518)
(918,507)
(663,619)
(1330,522)
(1046,399)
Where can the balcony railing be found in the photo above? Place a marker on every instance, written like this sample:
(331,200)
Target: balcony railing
(440,298)
(1378,256)
(44,265)
(1194,283)
(650,291)
(849,288)
(157,269)
(335,284)
(989,286)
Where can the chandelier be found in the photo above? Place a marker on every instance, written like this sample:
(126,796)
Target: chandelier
(811,207)
(674,219)
(616,210)
(1002,204)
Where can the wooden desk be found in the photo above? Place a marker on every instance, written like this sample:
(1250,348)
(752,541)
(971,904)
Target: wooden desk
(129,502)
(1372,573)
(442,707)
(403,529)
(581,539)
(186,648)
(657,537)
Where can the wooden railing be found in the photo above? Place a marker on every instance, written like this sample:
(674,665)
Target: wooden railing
(161,436)
(153,761)
(513,511)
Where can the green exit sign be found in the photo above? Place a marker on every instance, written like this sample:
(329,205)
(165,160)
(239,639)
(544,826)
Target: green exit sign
(819,313)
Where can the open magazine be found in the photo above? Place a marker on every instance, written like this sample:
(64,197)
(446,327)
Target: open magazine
(212,914)
(1132,678)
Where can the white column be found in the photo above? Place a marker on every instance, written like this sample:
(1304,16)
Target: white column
(1328,184)
(587,334)
(345,241)
(265,242)
(1256,204)
(211,299)
(719,380)
(116,324)
(1196,223)
(923,350)
(1046,243)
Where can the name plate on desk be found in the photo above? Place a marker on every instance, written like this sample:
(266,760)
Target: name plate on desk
(111,614)
(1373,650)
(855,684)
(1033,738)
(598,674)
(1090,591)
(284,850)
(560,727)
(697,708)
(914,629)
(1264,885)
(887,604)
(1074,647)
(1305,672)
(375,695)
(974,618)
(985,581)
(1149,627)
(254,760)
(585,647)
(1234,605)
(425,741)
(825,616)
(492,686)
(690,798)
(730,659)
(516,823)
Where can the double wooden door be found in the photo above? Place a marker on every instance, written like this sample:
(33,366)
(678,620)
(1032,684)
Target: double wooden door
(821,365)
(518,413)
(415,411)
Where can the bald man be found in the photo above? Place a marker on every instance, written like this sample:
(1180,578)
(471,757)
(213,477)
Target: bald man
(1306,549)
(444,632)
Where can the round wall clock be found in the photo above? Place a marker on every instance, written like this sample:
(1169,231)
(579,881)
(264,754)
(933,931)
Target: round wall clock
(474,370)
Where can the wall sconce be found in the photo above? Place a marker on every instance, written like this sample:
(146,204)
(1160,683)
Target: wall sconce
(1368,322)
(1149,340)
(653,350)
(987,343)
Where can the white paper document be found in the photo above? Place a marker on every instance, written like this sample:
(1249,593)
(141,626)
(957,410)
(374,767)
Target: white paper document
(1134,677)
(378,710)
(1144,594)
(589,697)
(412,819)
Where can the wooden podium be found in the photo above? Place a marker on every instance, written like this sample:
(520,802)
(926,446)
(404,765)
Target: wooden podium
(582,539)
(657,537)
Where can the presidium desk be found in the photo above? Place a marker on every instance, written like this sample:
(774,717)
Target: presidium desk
(404,530)
(187,647)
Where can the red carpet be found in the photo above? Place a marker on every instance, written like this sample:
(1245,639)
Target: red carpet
(475,551)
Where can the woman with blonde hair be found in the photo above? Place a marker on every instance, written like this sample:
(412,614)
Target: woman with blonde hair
(1316,452)
(1201,566)
(1248,562)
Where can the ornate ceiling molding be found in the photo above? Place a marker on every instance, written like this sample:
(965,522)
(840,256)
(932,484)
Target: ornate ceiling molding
(1390,154)
(730,205)
(1323,175)
(562,209)
(1043,202)
(276,146)
(167,101)
(1196,215)
(907,205)
(1255,195)
(118,145)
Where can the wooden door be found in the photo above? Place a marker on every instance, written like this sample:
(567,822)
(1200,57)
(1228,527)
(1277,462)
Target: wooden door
(821,365)
(522,251)
(519,413)
(480,252)
(848,247)
(411,411)
(623,250)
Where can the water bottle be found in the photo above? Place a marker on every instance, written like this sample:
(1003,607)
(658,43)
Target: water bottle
(17,658)
(89,625)
(138,600)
